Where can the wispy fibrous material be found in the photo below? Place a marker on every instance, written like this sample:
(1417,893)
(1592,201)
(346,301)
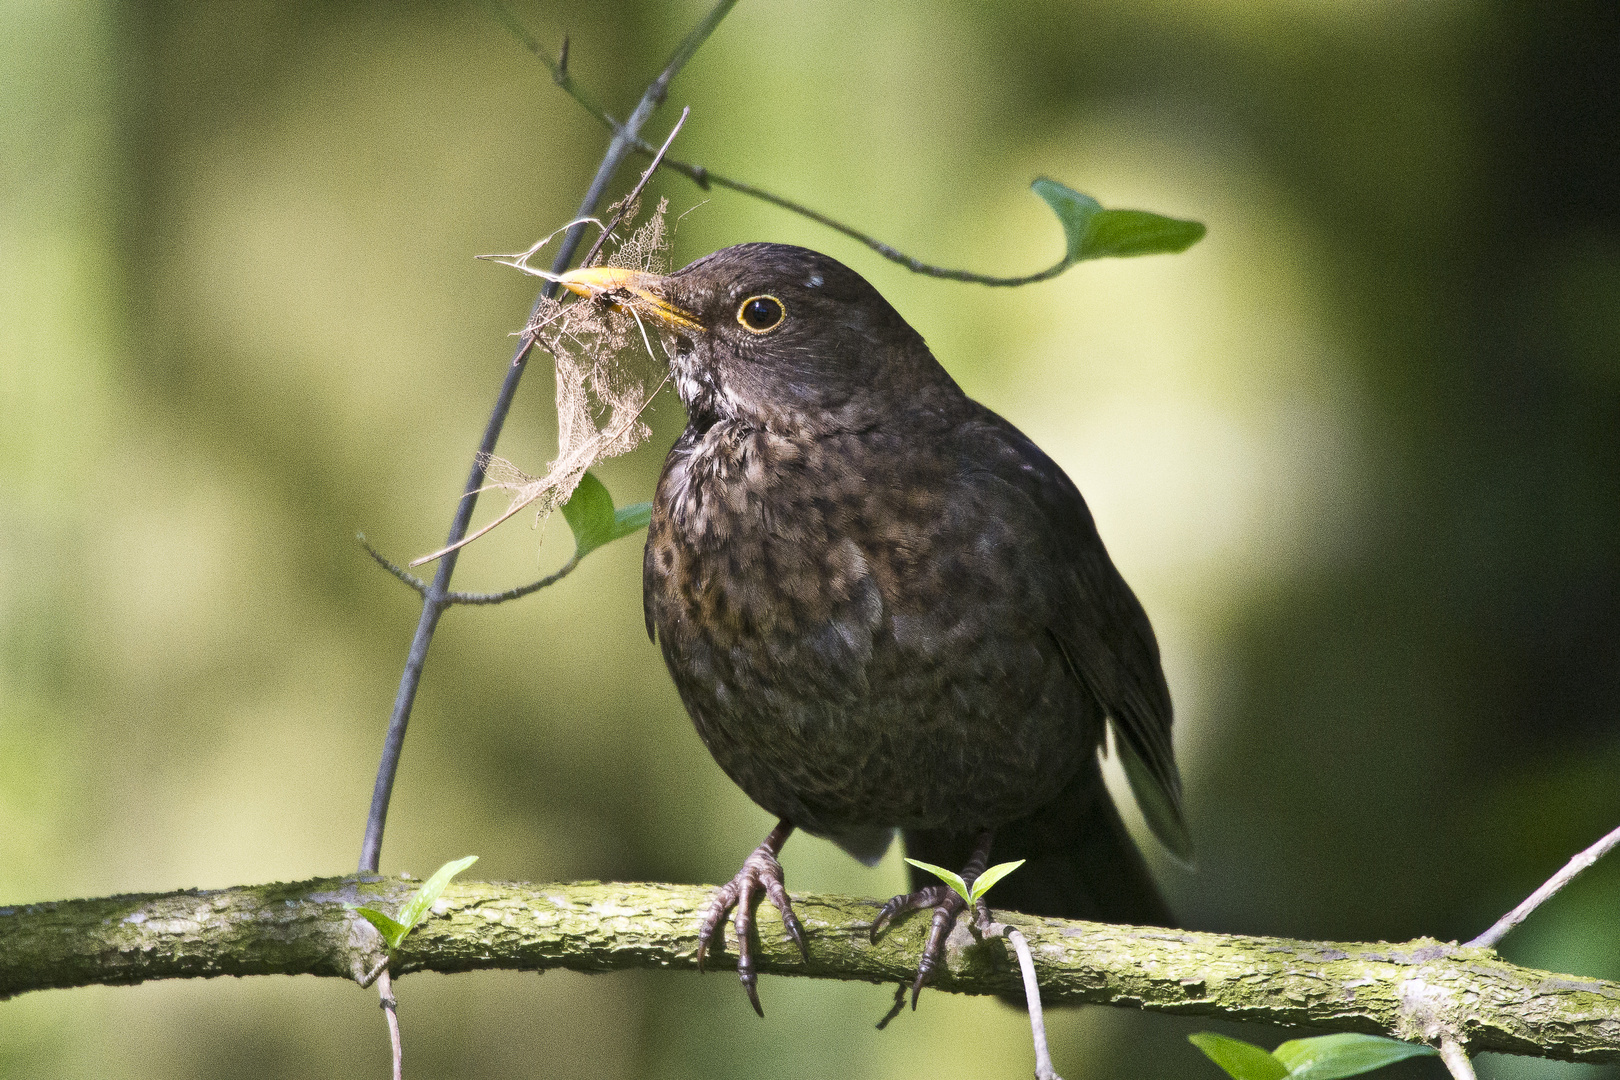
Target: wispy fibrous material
(607,372)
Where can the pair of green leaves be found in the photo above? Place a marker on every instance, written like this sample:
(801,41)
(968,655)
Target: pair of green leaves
(417,907)
(981,884)
(1326,1057)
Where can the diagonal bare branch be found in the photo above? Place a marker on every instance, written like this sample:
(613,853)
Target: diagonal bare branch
(1550,888)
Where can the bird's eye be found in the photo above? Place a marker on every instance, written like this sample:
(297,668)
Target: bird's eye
(761,314)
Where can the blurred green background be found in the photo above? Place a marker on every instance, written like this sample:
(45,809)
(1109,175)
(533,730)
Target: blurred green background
(1358,452)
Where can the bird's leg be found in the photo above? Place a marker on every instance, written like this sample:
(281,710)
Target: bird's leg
(760,873)
(947,905)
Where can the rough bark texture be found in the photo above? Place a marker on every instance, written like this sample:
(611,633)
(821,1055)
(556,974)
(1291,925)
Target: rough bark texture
(1420,990)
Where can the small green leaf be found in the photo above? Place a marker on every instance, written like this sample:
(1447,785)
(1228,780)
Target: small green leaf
(590,514)
(1242,1060)
(982,883)
(1093,232)
(392,932)
(418,905)
(1333,1057)
(953,880)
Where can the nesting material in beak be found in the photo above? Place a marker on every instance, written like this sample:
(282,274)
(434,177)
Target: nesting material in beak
(639,288)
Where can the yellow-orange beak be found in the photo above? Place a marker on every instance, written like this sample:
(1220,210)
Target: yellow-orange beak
(636,284)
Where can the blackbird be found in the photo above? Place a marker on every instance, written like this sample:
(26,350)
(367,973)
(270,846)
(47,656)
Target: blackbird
(885,608)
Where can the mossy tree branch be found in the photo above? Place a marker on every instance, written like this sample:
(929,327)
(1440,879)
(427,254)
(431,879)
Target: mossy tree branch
(1421,990)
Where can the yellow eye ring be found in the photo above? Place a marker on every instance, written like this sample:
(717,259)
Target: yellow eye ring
(761,314)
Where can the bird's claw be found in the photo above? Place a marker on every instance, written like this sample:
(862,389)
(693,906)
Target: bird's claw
(760,873)
(947,905)
(932,896)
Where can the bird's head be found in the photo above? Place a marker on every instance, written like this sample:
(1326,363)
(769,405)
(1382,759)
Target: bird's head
(774,336)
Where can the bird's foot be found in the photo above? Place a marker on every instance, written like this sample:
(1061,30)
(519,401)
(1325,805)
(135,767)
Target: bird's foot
(760,873)
(947,905)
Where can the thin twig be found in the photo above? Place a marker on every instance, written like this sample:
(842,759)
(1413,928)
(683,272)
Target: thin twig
(471,598)
(1032,997)
(1032,989)
(1549,888)
(1456,1059)
(390,1008)
(393,568)
(517,593)
(557,67)
(434,598)
(704,177)
(630,200)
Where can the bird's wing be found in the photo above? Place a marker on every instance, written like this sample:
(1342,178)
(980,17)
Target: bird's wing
(1102,632)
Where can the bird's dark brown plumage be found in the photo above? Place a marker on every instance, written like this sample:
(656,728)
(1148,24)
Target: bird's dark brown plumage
(883,606)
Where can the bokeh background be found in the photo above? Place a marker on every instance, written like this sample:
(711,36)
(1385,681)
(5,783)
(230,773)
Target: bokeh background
(1358,452)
